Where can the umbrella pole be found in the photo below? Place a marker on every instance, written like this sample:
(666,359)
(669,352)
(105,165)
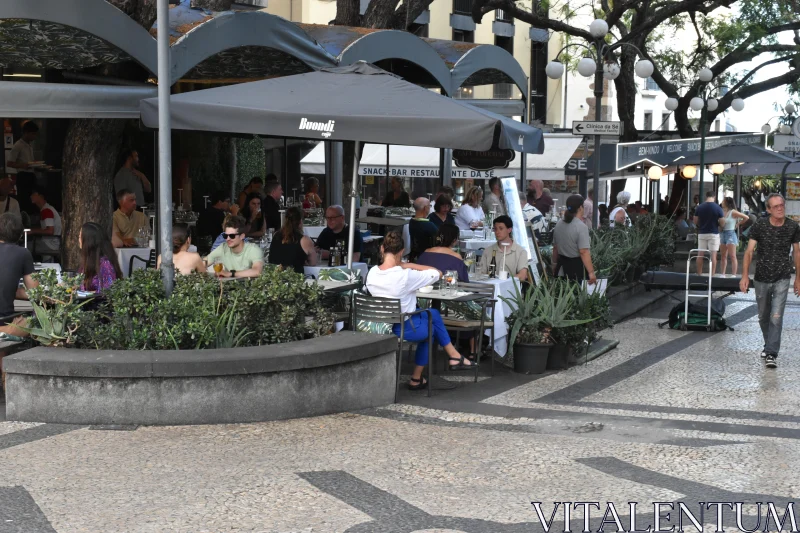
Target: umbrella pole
(164,148)
(352,232)
(737,189)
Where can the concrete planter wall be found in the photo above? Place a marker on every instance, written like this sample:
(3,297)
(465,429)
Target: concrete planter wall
(340,372)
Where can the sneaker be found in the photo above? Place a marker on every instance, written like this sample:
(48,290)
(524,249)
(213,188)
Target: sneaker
(771,361)
(763,354)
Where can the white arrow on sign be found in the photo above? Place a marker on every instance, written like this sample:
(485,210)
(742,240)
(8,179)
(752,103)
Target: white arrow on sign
(597,128)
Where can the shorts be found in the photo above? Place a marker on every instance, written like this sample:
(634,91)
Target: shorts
(708,241)
(729,237)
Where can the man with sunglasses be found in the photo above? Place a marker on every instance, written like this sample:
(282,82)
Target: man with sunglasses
(337,231)
(776,236)
(239,259)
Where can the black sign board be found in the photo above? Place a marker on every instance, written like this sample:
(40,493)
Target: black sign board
(576,166)
(665,153)
(483,160)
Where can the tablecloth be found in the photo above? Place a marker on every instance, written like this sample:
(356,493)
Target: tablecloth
(502,287)
(475,244)
(314,270)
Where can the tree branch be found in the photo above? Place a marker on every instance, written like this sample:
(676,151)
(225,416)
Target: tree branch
(481,7)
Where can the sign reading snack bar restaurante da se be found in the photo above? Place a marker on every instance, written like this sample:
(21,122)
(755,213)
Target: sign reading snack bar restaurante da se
(483,160)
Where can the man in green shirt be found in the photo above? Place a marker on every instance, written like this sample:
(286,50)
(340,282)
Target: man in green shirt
(238,259)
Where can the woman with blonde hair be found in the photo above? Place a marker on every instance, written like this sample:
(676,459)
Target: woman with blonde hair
(729,240)
(470,215)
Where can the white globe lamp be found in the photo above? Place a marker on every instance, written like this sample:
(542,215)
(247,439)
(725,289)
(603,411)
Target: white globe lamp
(696,103)
(785,129)
(712,104)
(611,71)
(644,68)
(705,75)
(586,67)
(655,173)
(671,104)
(598,28)
(737,104)
(717,168)
(766,129)
(554,70)
(790,108)
(689,172)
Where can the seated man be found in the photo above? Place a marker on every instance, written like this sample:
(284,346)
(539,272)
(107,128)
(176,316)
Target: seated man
(210,220)
(421,230)
(50,223)
(127,220)
(17,265)
(238,258)
(337,231)
(516,258)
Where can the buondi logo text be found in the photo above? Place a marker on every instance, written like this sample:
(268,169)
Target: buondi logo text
(325,127)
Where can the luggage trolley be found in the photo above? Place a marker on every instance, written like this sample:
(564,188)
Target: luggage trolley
(694,253)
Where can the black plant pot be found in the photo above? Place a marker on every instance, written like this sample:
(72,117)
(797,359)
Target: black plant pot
(559,357)
(531,358)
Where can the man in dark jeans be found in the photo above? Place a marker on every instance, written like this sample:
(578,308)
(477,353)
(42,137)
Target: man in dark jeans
(776,237)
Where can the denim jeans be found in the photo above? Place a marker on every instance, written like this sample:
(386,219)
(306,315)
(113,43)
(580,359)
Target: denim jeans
(416,330)
(771,300)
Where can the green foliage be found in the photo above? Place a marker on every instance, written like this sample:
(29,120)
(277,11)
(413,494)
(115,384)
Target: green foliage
(250,160)
(202,312)
(57,313)
(594,307)
(542,308)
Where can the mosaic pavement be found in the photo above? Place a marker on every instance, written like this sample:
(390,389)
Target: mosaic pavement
(668,416)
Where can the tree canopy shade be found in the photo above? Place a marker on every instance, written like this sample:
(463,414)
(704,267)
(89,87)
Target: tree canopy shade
(359,102)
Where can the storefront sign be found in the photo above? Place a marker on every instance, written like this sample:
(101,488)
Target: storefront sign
(419,172)
(487,160)
(786,143)
(665,153)
(576,167)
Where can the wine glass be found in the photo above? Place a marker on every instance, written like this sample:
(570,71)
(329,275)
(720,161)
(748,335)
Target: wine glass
(469,261)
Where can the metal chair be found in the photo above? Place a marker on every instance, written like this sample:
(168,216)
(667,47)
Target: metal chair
(150,262)
(478,326)
(387,311)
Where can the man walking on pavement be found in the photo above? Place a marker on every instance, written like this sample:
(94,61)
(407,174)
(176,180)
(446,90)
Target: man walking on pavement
(707,219)
(775,236)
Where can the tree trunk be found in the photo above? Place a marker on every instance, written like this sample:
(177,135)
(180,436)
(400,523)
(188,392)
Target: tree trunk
(90,154)
(348,13)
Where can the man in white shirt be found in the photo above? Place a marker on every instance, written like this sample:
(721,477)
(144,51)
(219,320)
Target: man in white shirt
(533,217)
(19,163)
(7,203)
(50,223)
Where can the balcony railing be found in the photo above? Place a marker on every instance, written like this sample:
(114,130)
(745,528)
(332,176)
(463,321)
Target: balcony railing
(502,16)
(462,7)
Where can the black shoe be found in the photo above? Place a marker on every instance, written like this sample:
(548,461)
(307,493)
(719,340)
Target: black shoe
(421,384)
(771,361)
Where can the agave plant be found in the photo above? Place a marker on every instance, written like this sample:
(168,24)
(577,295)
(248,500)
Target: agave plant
(339,274)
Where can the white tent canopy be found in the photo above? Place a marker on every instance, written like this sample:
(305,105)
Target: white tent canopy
(421,162)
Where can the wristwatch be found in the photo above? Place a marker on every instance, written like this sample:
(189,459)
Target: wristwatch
(233,273)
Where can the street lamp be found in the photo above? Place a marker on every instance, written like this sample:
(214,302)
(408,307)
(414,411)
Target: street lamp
(785,123)
(705,103)
(602,63)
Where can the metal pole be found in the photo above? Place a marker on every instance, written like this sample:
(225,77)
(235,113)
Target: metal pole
(523,157)
(783,179)
(737,189)
(233,169)
(165,148)
(688,197)
(446,166)
(598,99)
(337,177)
(656,195)
(352,229)
(702,170)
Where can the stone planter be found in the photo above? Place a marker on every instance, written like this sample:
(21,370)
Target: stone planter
(531,358)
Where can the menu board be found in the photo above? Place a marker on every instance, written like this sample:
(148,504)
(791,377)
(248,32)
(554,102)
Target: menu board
(793,190)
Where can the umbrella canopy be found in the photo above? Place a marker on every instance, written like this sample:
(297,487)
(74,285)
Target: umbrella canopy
(765,169)
(359,102)
(736,153)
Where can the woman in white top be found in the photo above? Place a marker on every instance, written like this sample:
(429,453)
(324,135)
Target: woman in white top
(395,279)
(729,238)
(619,215)
(470,215)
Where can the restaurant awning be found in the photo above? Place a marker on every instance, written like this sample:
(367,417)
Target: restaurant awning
(66,100)
(737,153)
(359,102)
(422,162)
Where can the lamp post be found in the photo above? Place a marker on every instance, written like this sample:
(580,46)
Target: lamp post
(705,103)
(785,128)
(602,63)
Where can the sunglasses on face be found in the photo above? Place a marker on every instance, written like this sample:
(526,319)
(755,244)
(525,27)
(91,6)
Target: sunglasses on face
(227,236)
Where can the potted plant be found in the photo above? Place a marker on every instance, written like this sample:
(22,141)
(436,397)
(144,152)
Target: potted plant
(536,312)
(571,341)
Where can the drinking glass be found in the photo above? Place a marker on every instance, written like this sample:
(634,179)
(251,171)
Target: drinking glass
(451,281)
(469,261)
(217,267)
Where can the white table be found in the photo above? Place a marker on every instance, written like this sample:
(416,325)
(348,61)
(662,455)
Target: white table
(315,270)
(475,244)
(502,287)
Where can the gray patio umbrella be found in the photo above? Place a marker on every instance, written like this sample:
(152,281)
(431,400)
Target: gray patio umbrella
(358,103)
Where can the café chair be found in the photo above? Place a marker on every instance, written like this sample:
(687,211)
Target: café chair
(486,308)
(387,311)
(150,262)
